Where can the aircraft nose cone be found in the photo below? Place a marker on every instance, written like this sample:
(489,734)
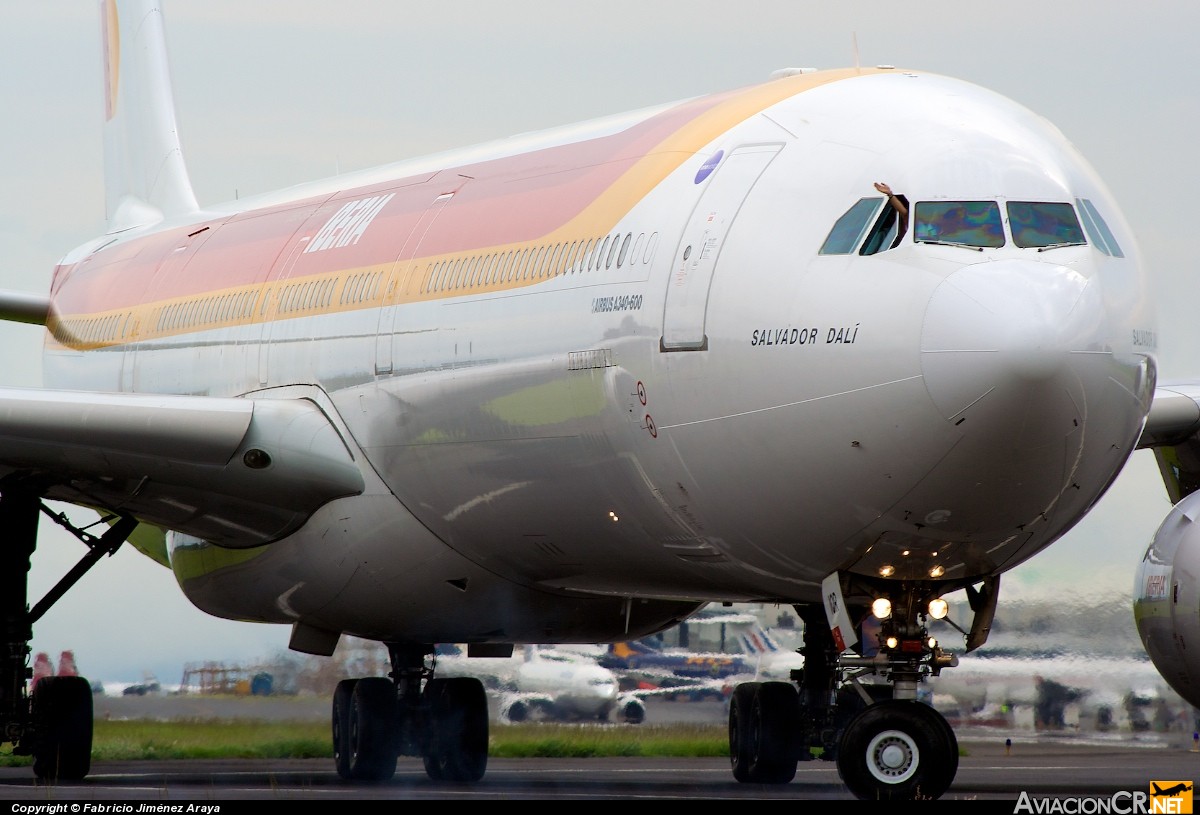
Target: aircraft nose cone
(1024,361)
(1011,337)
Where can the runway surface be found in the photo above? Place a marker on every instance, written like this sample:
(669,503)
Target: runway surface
(988,771)
(1040,766)
(985,773)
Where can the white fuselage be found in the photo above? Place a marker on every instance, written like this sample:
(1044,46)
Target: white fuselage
(719,413)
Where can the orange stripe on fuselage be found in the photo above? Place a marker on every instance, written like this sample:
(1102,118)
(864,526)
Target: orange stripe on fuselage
(568,192)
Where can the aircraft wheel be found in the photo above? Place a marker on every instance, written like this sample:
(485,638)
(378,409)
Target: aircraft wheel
(341,726)
(777,714)
(372,753)
(951,744)
(764,720)
(62,715)
(457,743)
(897,751)
(741,736)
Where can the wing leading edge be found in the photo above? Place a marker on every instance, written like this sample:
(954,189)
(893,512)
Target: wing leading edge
(235,471)
(1173,431)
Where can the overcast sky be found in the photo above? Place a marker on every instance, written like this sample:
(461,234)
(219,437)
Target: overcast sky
(274,92)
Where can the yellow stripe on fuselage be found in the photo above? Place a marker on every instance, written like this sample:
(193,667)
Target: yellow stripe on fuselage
(417,280)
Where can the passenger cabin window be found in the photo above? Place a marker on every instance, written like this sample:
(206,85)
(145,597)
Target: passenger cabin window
(972,224)
(1041,226)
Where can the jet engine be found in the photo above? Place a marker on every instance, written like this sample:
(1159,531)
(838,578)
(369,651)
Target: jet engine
(1166,599)
(632,710)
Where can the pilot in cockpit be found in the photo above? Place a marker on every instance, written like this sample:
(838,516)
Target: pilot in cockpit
(901,209)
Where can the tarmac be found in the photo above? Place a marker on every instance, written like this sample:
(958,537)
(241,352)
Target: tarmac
(996,766)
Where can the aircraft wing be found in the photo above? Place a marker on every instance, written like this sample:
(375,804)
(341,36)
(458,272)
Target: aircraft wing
(1174,414)
(1173,431)
(235,471)
(24,307)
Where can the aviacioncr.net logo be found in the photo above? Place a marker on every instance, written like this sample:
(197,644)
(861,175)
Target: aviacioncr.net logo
(1163,798)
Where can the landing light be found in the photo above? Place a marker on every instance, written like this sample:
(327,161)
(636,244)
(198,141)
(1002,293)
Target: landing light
(938,608)
(882,608)
(892,642)
(932,643)
(613,516)
(887,571)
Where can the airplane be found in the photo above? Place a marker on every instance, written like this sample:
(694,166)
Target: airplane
(642,657)
(540,684)
(574,385)
(1172,790)
(770,659)
(1085,692)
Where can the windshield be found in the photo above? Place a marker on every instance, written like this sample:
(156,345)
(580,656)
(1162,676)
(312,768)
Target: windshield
(849,229)
(1044,225)
(974,224)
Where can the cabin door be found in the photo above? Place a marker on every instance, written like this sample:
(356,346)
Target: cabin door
(700,247)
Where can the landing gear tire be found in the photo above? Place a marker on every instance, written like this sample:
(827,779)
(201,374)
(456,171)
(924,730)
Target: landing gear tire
(62,712)
(898,750)
(764,721)
(741,716)
(341,726)
(457,736)
(372,746)
(951,747)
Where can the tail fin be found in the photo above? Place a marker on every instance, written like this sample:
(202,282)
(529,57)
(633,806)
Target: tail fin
(757,641)
(145,176)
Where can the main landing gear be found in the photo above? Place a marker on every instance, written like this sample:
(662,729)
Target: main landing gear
(53,722)
(411,713)
(888,745)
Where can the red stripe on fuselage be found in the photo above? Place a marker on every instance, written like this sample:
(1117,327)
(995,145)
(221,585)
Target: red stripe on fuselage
(506,200)
(515,198)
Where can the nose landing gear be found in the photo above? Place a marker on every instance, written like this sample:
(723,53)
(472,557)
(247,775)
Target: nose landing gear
(898,750)
(888,744)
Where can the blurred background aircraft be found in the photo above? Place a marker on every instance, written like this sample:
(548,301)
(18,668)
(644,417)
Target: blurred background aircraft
(539,683)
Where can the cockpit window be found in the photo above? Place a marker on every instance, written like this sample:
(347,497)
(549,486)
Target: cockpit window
(1098,230)
(1037,225)
(974,224)
(888,230)
(849,229)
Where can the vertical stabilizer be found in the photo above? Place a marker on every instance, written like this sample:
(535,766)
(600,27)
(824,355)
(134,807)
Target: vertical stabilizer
(145,177)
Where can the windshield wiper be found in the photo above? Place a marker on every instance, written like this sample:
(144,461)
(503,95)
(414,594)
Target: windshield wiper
(951,243)
(1058,245)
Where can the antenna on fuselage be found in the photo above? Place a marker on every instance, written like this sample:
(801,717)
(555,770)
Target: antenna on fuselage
(854,47)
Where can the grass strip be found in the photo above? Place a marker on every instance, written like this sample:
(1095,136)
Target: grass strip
(143,739)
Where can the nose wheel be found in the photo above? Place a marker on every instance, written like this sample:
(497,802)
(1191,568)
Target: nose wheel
(898,750)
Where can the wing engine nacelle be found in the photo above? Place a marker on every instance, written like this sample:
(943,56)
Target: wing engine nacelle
(527,707)
(1166,599)
(631,709)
